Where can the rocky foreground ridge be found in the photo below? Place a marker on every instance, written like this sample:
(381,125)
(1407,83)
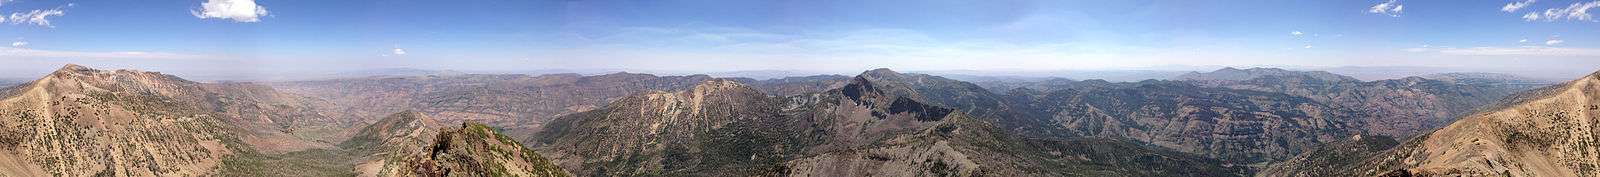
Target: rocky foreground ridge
(1549,131)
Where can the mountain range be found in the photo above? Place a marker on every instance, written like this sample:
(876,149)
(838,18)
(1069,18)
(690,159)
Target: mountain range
(80,121)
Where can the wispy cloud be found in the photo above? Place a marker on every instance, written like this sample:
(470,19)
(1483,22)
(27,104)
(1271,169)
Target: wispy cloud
(1514,6)
(398,51)
(1391,8)
(32,16)
(236,10)
(1531,16)
(1554,42)
(17,52)
(36,17)
(1577,12)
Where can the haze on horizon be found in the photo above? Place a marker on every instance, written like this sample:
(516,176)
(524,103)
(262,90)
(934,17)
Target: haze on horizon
(263,38)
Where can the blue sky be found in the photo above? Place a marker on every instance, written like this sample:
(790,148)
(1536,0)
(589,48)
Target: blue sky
(825,35)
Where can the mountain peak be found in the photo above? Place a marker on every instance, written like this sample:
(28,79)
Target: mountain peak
(71,66)
(880,72)
(409,113)
(721,88)
(74,68)
(720,83)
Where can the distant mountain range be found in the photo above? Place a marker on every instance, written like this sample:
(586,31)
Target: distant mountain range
(867,127)
(79,121)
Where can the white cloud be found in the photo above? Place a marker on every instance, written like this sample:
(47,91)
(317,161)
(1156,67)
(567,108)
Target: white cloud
(1297,33)
(398,51)
(36,17)
(19,44)
(1514,6)
(14,52)
(1391,8)
(1308,46)
(1522,41)
(1576,11)
(1554,42)
(236,10)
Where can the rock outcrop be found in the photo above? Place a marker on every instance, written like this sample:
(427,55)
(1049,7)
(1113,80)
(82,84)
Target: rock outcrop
(473,150)
(385,143)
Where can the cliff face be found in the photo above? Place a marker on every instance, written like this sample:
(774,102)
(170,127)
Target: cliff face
(1550,131)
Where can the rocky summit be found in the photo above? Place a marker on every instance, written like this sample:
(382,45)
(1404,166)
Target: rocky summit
(473,150)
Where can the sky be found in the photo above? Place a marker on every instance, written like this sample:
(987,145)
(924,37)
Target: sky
(841,36)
